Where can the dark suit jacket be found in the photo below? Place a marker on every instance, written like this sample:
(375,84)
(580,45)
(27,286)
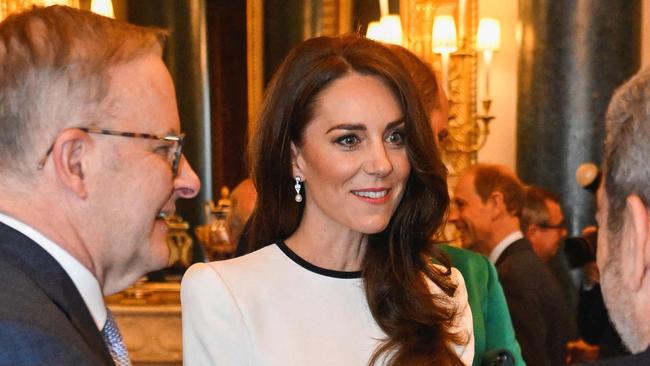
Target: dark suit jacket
(639,359)
(537,305)
(43,319)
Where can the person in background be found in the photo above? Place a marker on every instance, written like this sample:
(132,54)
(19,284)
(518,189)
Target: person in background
(242,204)
(542,222)
(350,191)
(90,167)
(486,207)
(623,216)
(493,331)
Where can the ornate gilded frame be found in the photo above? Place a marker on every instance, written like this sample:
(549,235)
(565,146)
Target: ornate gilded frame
(459,149)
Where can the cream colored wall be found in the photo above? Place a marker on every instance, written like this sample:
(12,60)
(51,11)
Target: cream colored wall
(501,145)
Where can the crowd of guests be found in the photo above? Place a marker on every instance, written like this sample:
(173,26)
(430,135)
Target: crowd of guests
(339,263)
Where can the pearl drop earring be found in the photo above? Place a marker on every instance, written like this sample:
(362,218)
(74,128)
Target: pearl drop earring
(297,188)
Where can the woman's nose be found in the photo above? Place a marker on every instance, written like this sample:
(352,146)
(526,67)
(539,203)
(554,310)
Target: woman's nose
(378,162)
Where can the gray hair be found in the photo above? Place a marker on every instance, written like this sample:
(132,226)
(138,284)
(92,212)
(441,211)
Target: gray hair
(54,74)
(627,148)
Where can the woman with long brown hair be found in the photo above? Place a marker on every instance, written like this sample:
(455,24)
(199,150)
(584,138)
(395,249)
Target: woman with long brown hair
(350,190)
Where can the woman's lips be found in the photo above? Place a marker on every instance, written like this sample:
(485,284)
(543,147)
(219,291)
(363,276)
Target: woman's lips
(372,195)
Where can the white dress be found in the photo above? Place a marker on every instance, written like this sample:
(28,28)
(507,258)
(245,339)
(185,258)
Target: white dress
(273,308)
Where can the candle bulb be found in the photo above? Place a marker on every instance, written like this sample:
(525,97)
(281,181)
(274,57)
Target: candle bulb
(444,43)
(488,41)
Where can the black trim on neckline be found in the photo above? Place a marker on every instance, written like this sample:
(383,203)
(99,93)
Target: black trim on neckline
(313,268)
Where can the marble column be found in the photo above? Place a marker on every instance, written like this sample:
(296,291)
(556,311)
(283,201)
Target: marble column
(573,54)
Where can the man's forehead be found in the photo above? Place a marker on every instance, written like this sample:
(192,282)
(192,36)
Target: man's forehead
(465,188)
(553,208)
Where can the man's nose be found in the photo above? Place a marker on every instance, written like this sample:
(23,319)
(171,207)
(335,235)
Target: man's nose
(187,184)
(453,213)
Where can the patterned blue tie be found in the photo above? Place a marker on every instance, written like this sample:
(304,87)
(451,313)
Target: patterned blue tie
(114,341)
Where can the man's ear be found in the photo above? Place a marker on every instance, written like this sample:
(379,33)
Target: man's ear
(496,204)
(296,161)
(531,231)
(635,243)
(68,155)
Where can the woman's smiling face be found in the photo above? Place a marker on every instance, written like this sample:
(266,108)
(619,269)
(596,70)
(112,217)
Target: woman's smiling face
(353,158)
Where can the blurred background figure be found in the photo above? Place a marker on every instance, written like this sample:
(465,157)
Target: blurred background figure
(487,202)
(242,204)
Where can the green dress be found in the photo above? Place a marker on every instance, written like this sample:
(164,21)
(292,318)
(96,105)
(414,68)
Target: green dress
(492,324)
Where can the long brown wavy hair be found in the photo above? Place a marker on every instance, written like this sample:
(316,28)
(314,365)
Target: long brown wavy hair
(397,260)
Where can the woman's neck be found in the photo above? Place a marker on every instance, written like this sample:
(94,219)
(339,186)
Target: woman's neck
(340,250)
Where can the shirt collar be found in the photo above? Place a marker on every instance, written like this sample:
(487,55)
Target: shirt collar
(83,279)
(503,245)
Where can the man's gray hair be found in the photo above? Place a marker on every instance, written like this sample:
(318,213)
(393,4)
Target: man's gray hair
(626,156)
(54,74)
(534,210)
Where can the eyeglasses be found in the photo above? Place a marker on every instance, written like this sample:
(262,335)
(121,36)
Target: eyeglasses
(173,154)
(560,225)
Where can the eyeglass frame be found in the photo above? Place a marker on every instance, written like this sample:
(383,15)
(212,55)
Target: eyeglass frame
(179,139)
(560,225)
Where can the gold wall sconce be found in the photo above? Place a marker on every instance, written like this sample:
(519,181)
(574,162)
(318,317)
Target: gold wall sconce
(430,31)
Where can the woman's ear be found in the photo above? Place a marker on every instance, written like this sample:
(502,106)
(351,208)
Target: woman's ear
(296,161)
(68,153)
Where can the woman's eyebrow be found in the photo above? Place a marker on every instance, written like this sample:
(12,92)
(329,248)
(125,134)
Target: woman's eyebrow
(361,126)
(348,127)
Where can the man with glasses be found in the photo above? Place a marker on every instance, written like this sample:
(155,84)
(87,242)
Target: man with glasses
(91,164)
(542,222)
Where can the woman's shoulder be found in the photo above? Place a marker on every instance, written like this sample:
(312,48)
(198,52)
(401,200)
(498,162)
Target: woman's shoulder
(246,265)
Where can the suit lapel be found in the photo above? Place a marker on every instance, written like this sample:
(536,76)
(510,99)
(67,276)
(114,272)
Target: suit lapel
(512,248)
(46,272)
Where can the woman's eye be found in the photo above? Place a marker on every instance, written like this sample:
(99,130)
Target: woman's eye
(348,140)
(395,137)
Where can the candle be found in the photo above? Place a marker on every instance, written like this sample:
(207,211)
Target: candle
(383,8)
(488,41)
(487,61)
(444,43)
(461,20)
(445,72)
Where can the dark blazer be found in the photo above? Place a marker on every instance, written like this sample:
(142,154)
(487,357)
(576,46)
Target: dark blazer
(638,359)
(43,319)
(537,305)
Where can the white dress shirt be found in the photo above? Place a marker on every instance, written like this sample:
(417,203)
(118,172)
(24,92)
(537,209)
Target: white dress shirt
(86,283)
(503,245)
